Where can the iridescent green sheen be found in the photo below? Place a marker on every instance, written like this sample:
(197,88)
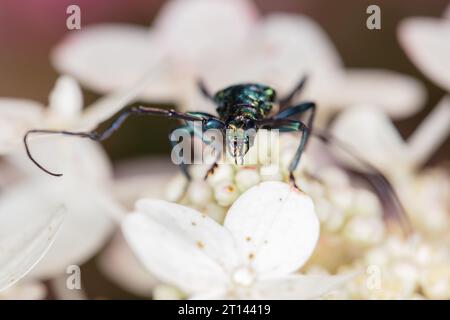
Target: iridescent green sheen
(250,101)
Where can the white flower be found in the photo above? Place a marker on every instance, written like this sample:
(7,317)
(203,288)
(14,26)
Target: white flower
(135,179)
(122,267)
(238,45)
(65,111)
(372,136)
(83,191)
(268,234)
(337,202)
(426,41)
(16,116)
(25,240)
(110,56)
(26,291)
(426,199)
(406,268)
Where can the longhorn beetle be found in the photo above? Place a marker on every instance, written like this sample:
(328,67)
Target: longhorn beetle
(242,108)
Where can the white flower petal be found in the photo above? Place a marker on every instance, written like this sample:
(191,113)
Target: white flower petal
(143,178)
(83,190)
(66,99)
(371,135)
(120,265)
(76,158)
(431,133)
(25,238)
(113,56)
(86,227)
(195,30)
(180,246)
(396,94)
(9,174)
(17,116)
(275,227)
(300,286)
(110,104)
(427,43)
(25,291)
(282,49)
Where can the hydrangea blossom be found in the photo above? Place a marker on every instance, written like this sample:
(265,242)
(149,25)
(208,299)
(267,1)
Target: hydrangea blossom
(23,244)
(82,193)
(351,217)
(267,235)
(238,45)
(424,193)
(26,291)
(425,40)
(402,269)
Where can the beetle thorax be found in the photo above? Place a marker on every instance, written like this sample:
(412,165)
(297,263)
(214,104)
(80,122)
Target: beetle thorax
(245,100)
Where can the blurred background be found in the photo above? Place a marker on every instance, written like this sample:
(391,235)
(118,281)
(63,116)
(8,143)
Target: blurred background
(30,29)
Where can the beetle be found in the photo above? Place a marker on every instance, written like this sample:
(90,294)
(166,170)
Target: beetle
(240,108)
(245,107)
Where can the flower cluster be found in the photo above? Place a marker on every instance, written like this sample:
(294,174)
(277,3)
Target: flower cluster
(410,268)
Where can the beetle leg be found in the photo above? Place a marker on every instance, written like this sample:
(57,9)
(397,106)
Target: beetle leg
(298,110)
(288,125)
(97,135)
(218,125)
(207,123)
(182,165)
(287,100)
(213,166)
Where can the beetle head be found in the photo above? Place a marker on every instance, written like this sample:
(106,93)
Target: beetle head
(240,135)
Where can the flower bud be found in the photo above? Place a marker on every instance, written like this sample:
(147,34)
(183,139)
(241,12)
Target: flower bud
(246,178)
(176,188)
(271,172)
(199,193)
(435,281)
(364,230)
(224,172)
(226,193)
(365,203)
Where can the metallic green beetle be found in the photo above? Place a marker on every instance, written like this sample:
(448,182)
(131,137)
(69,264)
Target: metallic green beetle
(243,108)
(240,108)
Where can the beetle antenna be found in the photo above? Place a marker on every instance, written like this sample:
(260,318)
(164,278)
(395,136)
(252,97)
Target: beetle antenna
(114,126)
(204,90)
(27,148)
